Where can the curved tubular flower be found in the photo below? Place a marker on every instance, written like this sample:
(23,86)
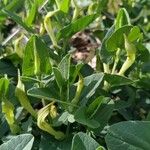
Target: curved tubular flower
(22,97)
(76,10)
(44,125)
(78,93)
(116,61)
(49,28)
(8,110)
(131,53)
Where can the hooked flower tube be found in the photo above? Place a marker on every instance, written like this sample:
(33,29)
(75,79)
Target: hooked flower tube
(131,53)
(42,123)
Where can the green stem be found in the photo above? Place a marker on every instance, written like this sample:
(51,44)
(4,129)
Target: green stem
(106,70)
(41,85)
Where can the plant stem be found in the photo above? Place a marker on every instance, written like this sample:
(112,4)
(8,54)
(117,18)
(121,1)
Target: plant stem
(106,70)
(40,85)
(67,130)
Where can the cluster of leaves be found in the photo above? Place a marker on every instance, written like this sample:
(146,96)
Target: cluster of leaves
(48,102)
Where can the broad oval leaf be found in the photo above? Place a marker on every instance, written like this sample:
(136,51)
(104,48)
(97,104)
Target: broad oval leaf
(7,67)
(103,114)
(36,57)
(31,11)
(18,20)
(117,80)
(4,85)
(20,142)
(63,5)
(116,40)
(106,56)
(64,67)
(129,135)
(82,117)
(91,83)
(45,93)
(58,77)
(49,143)
(134,34)
(50,94)
(122,19)
(76,26)
(82,141)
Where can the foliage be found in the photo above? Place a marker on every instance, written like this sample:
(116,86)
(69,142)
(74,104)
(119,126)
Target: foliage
(48,101)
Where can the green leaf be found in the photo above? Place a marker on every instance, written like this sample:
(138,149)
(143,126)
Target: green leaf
(82,141)
(28,59)
(4,128)
(8,110)
(82,117)
(46,93)
(6,67)
(76,26)
(31,12)
(134,34)
(104,53)
(64,67)
(36,58)
(116,40)
(129,135)
(125,100)
(58,77)
(103,114)
(4,85)
(146,67)
(20,142)
(74,71)
(49,143)
(94,106)
(116,80)
(42,52)
(14,5)
(143,53)
(18,20)
(122,19)
(50,94)
(63,5)
(91,83)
